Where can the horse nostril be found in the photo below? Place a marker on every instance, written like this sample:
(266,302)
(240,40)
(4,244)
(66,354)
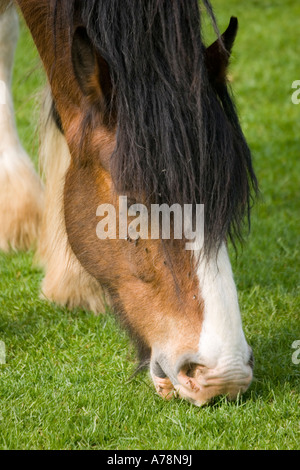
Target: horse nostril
(193,370)
(190,370)
(189,366)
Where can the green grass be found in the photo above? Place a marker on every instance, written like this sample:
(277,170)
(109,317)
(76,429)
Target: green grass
(66,381)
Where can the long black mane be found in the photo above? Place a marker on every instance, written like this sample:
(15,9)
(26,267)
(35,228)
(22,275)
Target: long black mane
(178,137)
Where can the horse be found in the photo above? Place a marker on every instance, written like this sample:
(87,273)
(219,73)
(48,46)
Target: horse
(138,109)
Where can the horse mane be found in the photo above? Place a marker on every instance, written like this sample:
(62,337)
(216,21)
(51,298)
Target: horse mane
(178,136)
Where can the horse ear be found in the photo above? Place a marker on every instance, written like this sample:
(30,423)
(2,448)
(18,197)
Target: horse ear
(91,70)
(230,34)
(217,55)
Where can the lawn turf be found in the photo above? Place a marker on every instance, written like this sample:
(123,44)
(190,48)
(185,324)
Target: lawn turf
(66,382)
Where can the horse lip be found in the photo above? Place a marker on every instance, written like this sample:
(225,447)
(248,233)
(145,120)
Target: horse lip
(190,382)
(164,387)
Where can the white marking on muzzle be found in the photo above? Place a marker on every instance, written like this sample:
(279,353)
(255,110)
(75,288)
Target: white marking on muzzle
(222,341)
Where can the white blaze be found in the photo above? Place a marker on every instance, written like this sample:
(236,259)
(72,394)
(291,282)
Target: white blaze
(222,341)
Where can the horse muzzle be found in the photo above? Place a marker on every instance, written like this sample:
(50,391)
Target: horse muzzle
(200,384)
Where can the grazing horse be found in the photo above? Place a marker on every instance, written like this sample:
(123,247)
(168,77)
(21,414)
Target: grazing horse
(139,111)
